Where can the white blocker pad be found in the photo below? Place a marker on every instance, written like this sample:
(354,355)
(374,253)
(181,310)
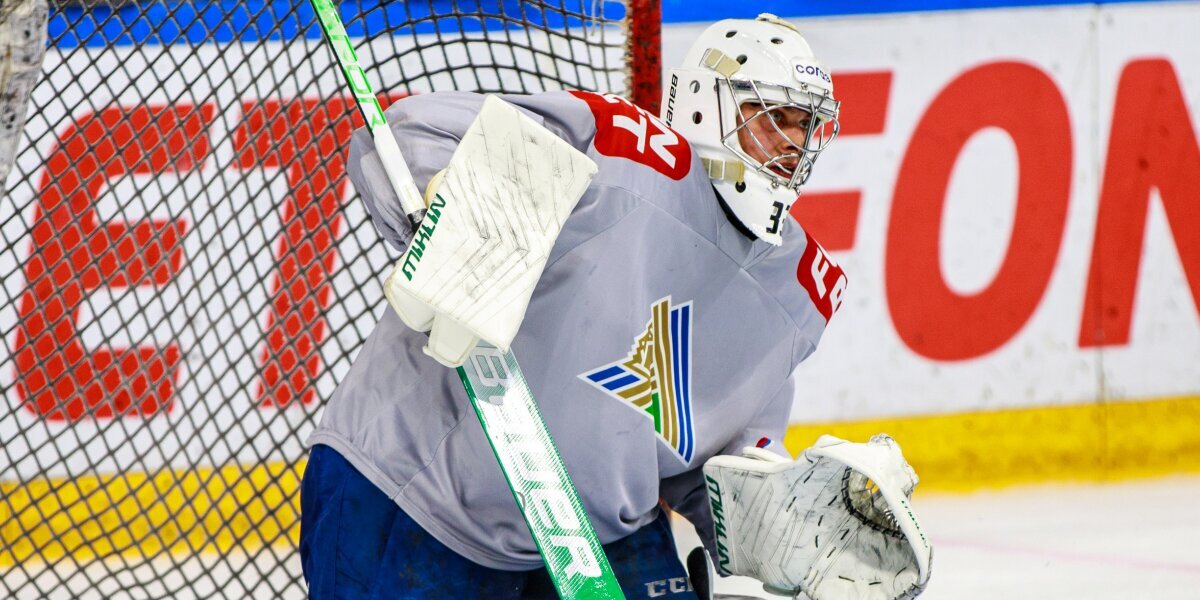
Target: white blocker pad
(474,261)
(834,524)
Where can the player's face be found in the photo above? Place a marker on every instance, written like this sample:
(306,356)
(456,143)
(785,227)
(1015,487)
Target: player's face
(778,132)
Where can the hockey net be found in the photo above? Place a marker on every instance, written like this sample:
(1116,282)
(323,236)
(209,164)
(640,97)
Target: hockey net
(185,274)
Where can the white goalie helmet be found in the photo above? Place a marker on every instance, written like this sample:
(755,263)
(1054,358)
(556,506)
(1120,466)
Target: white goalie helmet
(759,108)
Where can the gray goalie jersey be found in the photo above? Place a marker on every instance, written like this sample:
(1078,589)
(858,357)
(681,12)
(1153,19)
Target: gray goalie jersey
(657,337)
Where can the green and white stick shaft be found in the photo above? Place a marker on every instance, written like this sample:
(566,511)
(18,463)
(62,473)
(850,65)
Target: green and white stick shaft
(498,391)
(385,142)
(536,475)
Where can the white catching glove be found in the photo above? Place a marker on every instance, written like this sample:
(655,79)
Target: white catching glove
(471,267)
(835,524)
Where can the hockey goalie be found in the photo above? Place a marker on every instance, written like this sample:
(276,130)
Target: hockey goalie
(664,303)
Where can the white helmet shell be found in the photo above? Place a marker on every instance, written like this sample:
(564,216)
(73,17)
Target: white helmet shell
(766,66)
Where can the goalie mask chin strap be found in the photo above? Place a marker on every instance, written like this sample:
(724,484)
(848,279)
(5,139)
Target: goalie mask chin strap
(733,220)
(725,170)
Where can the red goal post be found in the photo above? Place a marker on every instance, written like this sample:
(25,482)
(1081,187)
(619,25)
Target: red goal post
(185,275)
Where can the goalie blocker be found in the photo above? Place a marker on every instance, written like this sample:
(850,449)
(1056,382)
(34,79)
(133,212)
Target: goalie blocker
(834,524)
(496,211)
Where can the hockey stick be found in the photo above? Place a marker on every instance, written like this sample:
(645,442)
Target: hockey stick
(497,389)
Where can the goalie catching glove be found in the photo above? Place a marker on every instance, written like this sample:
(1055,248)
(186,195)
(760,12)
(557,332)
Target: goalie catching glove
(493,216)
(834,524)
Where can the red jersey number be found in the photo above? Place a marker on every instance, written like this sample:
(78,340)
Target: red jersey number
(822,277)
(628,131)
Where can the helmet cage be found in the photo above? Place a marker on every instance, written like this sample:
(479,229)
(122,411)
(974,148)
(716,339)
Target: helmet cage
(821,130)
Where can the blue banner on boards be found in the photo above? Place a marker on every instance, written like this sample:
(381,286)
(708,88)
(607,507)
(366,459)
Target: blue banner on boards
(223,21)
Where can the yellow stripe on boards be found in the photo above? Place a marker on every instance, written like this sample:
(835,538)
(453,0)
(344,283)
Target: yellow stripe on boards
(135,514)
(214,510)
(1093,442)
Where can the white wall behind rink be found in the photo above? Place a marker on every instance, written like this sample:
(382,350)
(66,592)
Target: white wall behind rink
(865,368)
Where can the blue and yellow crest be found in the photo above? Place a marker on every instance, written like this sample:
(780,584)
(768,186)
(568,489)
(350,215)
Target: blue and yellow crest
(656,376)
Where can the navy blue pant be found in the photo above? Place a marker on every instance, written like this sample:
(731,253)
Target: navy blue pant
(356,543)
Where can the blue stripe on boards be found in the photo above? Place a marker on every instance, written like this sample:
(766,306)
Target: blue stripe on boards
(701,11)
(224,21)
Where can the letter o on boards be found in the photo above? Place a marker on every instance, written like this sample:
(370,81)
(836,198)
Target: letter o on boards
(932,319)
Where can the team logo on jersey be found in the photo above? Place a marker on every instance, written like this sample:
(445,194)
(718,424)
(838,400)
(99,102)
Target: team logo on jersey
(656,377)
